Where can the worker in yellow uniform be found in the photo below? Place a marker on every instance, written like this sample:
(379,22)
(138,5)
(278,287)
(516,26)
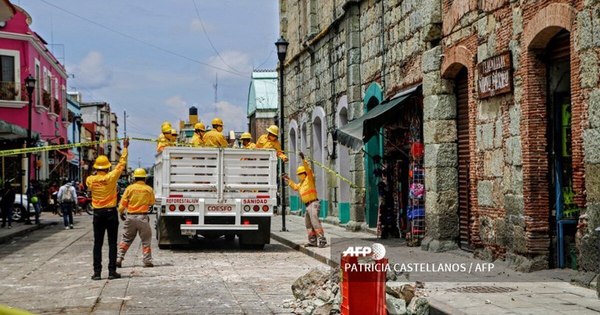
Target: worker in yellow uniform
(247,143)
(269,141)
(214,137)
(165,136)
(198,137)
(103,187)
(174,136)
(308,194)
(133,209)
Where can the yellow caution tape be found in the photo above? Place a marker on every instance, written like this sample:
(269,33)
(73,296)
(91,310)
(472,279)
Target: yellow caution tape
(54,147)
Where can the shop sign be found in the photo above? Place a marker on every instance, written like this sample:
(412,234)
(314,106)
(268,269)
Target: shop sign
(495,77)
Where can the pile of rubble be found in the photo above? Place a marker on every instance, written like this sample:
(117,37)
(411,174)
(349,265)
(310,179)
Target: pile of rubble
(318,293)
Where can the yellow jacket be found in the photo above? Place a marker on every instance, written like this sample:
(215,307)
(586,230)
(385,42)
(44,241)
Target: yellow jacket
(307,187)
(162,143)
(197,141)
(213,138)
(264,143)
(104,185)
(251,145)
(137,198)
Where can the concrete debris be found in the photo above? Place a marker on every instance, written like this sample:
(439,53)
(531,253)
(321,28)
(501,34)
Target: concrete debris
(318,293)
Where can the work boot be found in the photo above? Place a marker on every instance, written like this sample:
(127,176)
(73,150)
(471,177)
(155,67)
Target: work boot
(96,276)
(148,265)
(322,242)
(119,263)
(113,275)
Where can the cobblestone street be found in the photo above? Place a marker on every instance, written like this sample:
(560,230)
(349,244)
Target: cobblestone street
(48,272)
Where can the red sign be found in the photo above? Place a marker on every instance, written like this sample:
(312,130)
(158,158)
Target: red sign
(182,200)
(494,76)
(255,201)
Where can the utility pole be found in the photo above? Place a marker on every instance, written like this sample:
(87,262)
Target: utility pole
(216,87)
(125,123)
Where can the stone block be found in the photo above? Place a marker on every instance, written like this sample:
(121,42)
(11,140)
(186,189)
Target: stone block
(592,182)
(432,59)
(517,21)
(439,107)
(485,136)
(439,179)
(518,240)
(596,27)
(514,205)
(584,38)
(513,179)
(441,214)
(589,253)
(484,193)
(527,264)
(501,228)
(354,75)
(514,155)
(594,109)
(482,52)
(591,145)
(515,48)
(493,163)
(589,69)
(441,155)
(514,125)
(489,109)
(434,84)
(497,193)
(498,132)
(439,131)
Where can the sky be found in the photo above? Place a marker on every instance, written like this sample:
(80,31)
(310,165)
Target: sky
(156,58)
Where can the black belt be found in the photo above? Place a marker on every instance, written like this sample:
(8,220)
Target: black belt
(306,204)
(145,213)
(104,210)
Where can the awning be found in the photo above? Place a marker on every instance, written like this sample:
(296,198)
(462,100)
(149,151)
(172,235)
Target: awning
(10,131)
(360,130)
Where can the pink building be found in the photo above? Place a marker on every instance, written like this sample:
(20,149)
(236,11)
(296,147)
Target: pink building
(23,52)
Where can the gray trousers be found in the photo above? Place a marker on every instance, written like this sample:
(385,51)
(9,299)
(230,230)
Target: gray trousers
(313,225)
(136,224)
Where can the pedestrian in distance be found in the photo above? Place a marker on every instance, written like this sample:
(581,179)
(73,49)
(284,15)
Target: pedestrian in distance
(270,141)
(214,137)
(308,193)
(6,204)
(133,210)
(103,186)
(67,198)
(247,143)
(33,196)
(198,137)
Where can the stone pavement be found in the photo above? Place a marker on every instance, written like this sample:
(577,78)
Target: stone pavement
(19,228)
(543,292)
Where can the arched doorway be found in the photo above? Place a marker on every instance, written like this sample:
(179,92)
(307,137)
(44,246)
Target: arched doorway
(319,135)
(293,164)
(461,91)
(344,163)
(374,147)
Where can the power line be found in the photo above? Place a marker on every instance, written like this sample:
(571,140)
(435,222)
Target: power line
(139,40)
(210,41)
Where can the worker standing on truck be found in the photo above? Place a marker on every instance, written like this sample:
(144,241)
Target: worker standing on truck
(269,141)
(133,209)
(247,143)
(214,137)
(308,193)
(198,138)
(103,187)
(165,136)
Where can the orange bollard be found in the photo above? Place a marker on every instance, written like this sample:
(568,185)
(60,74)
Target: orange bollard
(363,292)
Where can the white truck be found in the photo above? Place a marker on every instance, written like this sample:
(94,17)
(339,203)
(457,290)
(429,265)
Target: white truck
(213,192)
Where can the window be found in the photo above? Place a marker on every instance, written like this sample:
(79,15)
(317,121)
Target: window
(38,92)
(8,88)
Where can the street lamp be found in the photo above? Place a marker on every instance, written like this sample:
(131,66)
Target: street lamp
(77,122)
(281,45)
(29,86)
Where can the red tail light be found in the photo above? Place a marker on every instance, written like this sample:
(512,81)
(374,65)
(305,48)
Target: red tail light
(256,208)
(181,207)
(172,208)
(265,208)
(246,222)
(188,222)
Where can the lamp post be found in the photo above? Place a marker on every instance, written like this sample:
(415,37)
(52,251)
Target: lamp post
(281,45)
(29,86)
(77,122)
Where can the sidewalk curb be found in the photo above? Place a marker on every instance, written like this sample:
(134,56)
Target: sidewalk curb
(440,308)
(33,227)
(304,250)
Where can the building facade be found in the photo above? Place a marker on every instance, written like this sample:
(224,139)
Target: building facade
(263,102)
(509,116)
(22,53)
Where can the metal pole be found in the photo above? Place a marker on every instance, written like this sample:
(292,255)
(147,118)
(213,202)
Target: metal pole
(27,220)
(282,133)
(125,123)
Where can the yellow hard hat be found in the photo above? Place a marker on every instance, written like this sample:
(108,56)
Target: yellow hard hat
(199,126)
(139,173)
(173,132)
(246,136)
(102,163)
(274,130)
(217,122)
(300,170)
(165,127)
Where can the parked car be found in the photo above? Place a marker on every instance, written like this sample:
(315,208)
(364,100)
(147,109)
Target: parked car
(19,208)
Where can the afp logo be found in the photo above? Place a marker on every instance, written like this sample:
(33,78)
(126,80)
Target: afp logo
(376,251)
